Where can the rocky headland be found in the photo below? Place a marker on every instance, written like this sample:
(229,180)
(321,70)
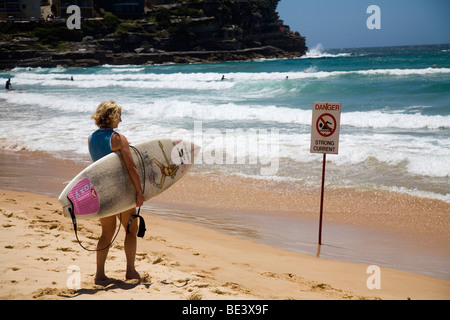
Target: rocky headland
(176,32)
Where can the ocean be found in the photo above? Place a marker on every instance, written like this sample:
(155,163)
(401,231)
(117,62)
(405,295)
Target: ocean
(256,122)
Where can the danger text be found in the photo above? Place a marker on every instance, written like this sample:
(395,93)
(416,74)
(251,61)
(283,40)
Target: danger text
(327,107)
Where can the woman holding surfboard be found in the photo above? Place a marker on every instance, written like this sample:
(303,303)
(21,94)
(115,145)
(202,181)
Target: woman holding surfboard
(101,143)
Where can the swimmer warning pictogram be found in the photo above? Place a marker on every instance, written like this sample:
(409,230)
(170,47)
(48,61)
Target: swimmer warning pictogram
(325,127)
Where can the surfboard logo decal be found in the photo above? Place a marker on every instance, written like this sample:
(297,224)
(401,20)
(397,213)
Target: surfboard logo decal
(84,198)
(181,153)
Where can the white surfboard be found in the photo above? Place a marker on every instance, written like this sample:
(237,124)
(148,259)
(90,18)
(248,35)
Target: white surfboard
(104,188)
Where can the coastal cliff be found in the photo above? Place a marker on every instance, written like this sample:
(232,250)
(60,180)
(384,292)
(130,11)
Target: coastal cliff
(174,32)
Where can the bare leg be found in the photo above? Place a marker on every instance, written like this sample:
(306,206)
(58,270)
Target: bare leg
(108,229)
(130,244)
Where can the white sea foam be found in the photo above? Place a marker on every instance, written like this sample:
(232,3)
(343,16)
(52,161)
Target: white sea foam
(378,120)
(167,108)
(198,81)
(318,52)
(173,108)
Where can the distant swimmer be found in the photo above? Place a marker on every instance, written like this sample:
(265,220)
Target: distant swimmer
(226,79)
(287,77)
(8,85)
(71,78)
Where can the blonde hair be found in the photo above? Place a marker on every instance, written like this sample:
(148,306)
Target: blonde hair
(107,114)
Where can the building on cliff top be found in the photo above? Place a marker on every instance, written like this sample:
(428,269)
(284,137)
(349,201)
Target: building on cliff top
(128,9)
(20,9)
(86,7)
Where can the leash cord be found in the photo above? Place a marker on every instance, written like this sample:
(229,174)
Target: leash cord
(74,222)
(142,229)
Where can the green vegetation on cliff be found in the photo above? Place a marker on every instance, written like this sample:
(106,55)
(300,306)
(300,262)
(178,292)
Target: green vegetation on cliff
(193,25)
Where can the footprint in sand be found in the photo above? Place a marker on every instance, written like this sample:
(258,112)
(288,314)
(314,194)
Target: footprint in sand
(8,215)
(158,260)
(195,296)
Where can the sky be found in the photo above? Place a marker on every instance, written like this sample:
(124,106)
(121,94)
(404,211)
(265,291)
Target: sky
(334,24)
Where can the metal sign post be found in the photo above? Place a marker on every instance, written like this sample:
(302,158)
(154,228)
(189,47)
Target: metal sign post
(326,117)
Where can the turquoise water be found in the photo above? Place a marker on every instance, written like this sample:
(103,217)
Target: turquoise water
(395,121)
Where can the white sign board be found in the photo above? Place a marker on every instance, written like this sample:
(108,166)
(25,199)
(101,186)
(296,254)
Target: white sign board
(326,117)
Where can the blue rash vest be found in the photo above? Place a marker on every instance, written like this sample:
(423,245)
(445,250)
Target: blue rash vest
(100,143)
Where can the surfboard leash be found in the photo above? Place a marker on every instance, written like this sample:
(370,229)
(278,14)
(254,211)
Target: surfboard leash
(75,228)
(141,231)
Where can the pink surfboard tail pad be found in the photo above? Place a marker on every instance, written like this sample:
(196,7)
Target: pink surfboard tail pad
(84,198)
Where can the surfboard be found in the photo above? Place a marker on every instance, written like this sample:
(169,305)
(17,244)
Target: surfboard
(15,90)
(104,188)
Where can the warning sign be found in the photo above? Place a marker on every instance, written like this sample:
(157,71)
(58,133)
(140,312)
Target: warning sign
(325,127)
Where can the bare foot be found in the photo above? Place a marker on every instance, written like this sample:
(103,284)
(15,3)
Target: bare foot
(131,275)
(103,280)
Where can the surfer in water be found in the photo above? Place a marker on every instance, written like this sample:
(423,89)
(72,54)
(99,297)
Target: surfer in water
(102,142)
(8,85)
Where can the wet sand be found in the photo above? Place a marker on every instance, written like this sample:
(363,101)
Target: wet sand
(207,228)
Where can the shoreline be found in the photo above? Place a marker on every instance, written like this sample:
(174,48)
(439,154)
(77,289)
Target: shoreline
(380,209)
(185,260)
(83,59)
(395,230)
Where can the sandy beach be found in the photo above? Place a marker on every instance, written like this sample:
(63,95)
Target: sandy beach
(185,261)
